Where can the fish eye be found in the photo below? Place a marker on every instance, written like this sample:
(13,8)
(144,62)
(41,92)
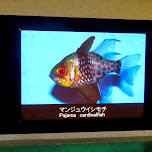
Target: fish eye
(61,71)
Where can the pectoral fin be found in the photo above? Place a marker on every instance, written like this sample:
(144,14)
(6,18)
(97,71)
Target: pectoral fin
(85,47)
(89,93)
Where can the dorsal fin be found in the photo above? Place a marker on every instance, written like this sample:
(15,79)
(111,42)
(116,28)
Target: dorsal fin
(85,47)
(106,47)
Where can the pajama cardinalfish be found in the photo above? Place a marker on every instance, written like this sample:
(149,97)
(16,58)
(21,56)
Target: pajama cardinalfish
(88,72)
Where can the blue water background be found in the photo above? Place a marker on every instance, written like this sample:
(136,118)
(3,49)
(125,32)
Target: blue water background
(42,50)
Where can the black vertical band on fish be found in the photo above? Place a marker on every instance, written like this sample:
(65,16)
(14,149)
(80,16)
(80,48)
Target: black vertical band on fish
(85,68)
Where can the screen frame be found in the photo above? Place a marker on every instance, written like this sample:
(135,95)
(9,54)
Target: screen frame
(10,117)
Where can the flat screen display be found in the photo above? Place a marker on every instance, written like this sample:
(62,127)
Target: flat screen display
(80,75)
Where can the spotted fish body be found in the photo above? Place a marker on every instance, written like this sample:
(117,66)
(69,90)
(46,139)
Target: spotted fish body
(88,72)
(93,67)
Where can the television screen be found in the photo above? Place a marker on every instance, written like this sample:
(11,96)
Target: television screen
(62,74)
(66,74)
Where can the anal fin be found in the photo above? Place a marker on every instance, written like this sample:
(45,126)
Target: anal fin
(89,93)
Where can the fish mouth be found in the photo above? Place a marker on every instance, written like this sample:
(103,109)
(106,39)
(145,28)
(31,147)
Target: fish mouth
(52,77)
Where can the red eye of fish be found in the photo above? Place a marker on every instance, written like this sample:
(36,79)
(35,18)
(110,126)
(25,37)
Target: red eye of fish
(61,71)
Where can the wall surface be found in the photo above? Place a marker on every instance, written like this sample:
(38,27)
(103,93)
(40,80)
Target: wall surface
(75,138)
(114,9)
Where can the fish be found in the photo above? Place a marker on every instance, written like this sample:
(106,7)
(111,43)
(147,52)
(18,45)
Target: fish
(90,71)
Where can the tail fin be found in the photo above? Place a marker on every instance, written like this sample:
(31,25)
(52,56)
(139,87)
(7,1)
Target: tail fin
(129,68)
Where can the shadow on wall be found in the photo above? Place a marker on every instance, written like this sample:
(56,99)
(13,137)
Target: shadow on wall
(70,95)
(66,95)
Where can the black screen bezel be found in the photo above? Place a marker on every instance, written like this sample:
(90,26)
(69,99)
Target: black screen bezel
(10,114)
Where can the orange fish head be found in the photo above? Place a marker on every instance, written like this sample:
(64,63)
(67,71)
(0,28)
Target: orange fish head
(63,73)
